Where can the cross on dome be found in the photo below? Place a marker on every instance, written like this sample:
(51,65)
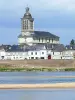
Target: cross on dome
(27,9)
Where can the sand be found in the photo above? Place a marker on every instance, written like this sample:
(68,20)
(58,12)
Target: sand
(36,86)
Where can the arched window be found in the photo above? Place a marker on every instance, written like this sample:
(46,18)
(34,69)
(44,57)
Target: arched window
(25,22)
(25,26)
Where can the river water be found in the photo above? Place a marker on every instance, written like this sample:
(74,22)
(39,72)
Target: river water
(36,94)
(34,77)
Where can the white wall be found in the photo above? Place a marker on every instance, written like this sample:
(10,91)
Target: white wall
(40,53)
(56,55)
(68,54)
(2,54)
(21,40)
(16,55)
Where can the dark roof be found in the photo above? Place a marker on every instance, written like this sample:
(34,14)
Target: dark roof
(4,46)
(58,48)
(34,48)
(14,48)
(53,47)
(28,15)
(41,34)
(18,48)
(70,47)
(44,34)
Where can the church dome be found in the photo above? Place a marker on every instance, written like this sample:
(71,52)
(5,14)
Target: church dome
(27,15)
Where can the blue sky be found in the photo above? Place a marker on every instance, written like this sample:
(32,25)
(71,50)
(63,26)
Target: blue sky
(55,16)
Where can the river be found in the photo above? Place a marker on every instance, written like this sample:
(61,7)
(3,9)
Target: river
(34,77)
(36,94)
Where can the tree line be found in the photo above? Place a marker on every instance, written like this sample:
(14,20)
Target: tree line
(72,42)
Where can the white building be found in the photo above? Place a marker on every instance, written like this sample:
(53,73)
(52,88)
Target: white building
(69,52)
(2,54)
(29,36)
(50,51)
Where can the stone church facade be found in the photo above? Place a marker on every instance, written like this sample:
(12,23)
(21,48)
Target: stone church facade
(29,36)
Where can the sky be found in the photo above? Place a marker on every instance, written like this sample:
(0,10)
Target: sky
(55,16)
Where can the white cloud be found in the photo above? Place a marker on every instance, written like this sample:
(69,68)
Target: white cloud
(14,9)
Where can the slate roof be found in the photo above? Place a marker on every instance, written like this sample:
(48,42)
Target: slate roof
(41,34)
(45,34)
(53,47)
(17,48)
(70,47)
(14,48)
(34,48)
(58,48)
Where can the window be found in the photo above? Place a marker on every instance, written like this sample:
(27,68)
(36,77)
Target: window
(52,40)
(49,39)
(31,53)
(32,57)
(36,57)
(39,39)
(53,53)
(35,53)
(42,57)
(25,22)
(42,52)
(29,57)
(27,26)
(31,25)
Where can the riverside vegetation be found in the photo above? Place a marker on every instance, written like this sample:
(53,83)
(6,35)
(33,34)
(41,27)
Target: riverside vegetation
(5,68)
(37,65)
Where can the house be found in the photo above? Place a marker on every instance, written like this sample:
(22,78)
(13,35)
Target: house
(57,51)
(69,52)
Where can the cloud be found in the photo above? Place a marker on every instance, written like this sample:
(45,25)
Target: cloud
(66,5)
(56,16)
(38,7)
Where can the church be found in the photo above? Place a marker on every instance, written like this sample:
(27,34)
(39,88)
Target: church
(29,36)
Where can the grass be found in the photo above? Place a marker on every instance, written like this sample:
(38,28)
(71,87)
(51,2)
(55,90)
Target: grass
(6,68)
(69,69)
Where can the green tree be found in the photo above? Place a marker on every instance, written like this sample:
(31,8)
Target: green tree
(72,42)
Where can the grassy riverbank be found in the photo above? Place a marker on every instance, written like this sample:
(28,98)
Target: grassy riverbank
(37,65)
(10,69)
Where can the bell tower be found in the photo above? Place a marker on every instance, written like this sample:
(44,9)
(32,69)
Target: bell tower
(27,22)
